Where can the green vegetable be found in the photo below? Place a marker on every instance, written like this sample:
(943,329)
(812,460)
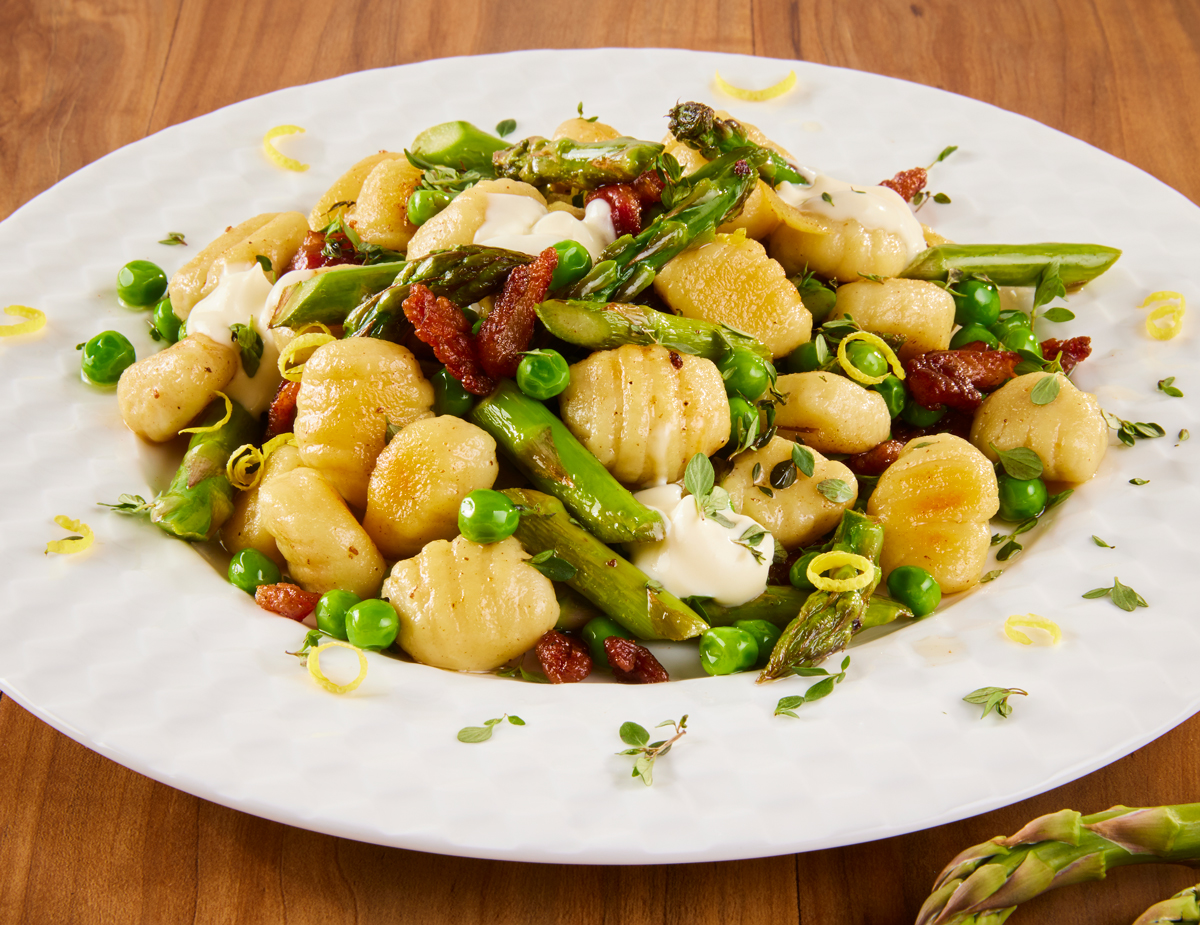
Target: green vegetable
(330,612)
(918,415)
(449,396)
(473,734)
(456,144)
(487,516)
(915,588)
(1181,909)
(1018,339)
(249,345)
(613,584)
(779,604)
(106,356)
(746,372)
(372,624)
(894,394)
(985,883)
(250,568)
(1013,264)
(798,573)
(743,418)
(645,750)
(1122,595)
(330,296)
(867,358)
(542,374)
(819,299)
(823,688)
(1011,319)
(810,357)
(972,333)
(765,634)
(141,283)
(595,631)
(164,323)
(549,456)
(698,127)
(577,164)
(574,263)
(424,204)
(995,698)
(1021,498)
(726,649)
(976,302)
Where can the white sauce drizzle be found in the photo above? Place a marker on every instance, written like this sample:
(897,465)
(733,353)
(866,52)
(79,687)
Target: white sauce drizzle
(523,224)
(698,555)
(873,207)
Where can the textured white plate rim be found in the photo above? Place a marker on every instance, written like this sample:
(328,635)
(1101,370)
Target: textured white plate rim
(685,847)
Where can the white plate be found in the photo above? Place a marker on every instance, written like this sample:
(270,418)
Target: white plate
(141,651)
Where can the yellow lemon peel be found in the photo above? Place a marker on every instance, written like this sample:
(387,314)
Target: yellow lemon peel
(1165,321)
(1033,621)
(314,668)
(276,158)
(221,423)
(879,344)
(304,341)
(245,471)
(756,96)
(74,543)
(37,321)
(288,439)
(836,559)
(318,326)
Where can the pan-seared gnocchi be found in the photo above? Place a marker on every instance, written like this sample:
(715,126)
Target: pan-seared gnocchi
(585,131)
(470,607)
(831,413)
(842,250)
(1069,434)
(160,394)
(340,197)
(245,528)
(935,502)
(421,478)
(645,411)
(797,515)
(322,543)
(380,211)
(922,312)
(350,391)
(457,224)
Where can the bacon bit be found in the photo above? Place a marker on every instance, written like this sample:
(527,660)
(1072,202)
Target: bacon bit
(1074,351)
(311,255)
(876,459)
(286,599)
(441,324)
(676,360)
(633,664)
(954,378)
(282,413)
(625,204)
(564,658)
(908,182)
(649,187)
(508,328)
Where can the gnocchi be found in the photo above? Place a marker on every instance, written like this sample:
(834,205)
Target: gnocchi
(831,413)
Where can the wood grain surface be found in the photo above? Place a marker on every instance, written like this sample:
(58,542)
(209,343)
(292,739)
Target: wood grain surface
(83,840)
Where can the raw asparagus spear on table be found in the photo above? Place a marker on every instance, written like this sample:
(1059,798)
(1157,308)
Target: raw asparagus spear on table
(698,126)
(614,585)
(1181,909)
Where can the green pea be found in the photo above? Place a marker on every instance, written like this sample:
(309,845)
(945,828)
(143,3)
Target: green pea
(486,516)
(140,283)
(866,358)
(726,649)
(1021,498)
(894,394)
(819,299)
(745,373)
(574,263)
(742,414)
(1010,319)
(915,588)
(449,396)
(1021,339)
(798,573)
(971,333)
(804,358)
(372,624)
(424,204)
(765,633)
(331,612)
(106,356)
(250,568)
(976,302)
(918,415)
(165,322)
(598,629)
(543,374)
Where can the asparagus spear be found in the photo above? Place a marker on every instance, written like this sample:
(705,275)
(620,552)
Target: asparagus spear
(697,126)
(600,326)
(779,604)
(829,619)
(463,274)
(581,165)
(200,497)
(456,144)
(610,582)
(550,457)
(1180,909)
(330,296)
(703,200)
(984,884)
(1013,264)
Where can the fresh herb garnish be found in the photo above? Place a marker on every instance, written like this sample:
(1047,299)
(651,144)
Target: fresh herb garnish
(873,277)
(552,566)
(1168,385)
(264,262)
(1122,595)
(311,640)
(249,344)
(173,238)
(827,198)
(1020,462)
(991,576)
(711,499)
(946,152)
(1129,431)
(128,504)
(1183,435)
(823,688)
(751,539)
(994,698)
(648,752)
(518,671)
(1139,481)
(1050,287)
(835,490)
(803,459)
(579,109)
(1045,390)
(1100,542)
(482,733)
(1011,547)
(507,127)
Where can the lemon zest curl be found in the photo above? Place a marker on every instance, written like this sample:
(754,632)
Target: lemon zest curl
(37,321)
(1033,621)
(836,559)
(245,471)
(221,423)
(756,96)
(72,544)
(1165,320)
(273,153)
(293,373)
(314,668)
(879,344)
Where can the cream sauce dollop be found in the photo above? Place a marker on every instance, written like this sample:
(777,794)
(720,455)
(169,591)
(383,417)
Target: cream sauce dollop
(873,207)
(521,223)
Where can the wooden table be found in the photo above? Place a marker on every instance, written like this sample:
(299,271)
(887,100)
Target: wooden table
(84,840)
